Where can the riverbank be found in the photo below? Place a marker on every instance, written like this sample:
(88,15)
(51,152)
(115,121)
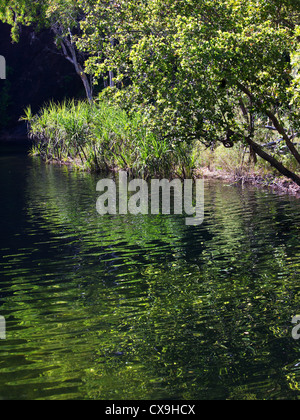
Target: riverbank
(269,181)
(104,138)
(280,185)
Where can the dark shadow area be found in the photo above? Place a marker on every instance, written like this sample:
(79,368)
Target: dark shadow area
(36,73)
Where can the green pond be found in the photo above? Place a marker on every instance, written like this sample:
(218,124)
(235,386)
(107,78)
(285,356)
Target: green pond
(144,307)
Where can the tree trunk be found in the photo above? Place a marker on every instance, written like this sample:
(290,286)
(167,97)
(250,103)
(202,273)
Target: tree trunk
(274,162)
(256,148)
(253,157)
(282,131)
(111,79)
(275,121)
(111,73)
(87,86)
(69,52)
(80,72)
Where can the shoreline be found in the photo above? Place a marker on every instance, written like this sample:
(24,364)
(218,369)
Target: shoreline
(277,184)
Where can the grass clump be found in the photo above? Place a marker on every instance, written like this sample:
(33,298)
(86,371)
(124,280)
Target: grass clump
(103,137)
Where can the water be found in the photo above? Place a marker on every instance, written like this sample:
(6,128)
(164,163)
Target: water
(144,307)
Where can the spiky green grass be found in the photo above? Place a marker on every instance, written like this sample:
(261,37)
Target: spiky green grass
(103,137)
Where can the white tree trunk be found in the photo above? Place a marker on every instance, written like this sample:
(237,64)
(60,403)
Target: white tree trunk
(69,52)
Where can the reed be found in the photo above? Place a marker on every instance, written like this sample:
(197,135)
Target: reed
(103,137)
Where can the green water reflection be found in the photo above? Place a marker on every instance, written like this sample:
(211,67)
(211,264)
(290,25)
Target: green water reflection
(144,307)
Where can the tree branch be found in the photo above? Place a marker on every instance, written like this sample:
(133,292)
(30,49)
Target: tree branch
(278,126)
(274,162)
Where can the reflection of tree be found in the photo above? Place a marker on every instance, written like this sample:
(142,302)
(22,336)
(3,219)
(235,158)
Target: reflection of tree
(133,308)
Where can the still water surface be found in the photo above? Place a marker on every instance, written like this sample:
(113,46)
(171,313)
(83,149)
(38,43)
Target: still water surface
(144,307)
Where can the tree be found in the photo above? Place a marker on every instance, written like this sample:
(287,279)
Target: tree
(61,16)
(206,70)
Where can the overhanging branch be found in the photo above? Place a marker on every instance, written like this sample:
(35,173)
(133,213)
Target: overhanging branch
(277,125)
